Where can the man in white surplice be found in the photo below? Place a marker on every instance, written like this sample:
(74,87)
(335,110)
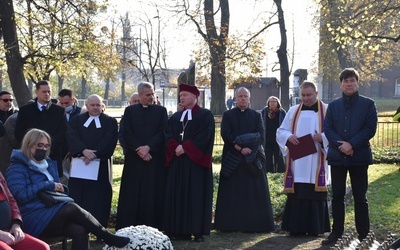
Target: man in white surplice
(306,179)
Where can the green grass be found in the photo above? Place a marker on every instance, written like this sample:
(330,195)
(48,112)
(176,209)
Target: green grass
(387,106)
(383,198)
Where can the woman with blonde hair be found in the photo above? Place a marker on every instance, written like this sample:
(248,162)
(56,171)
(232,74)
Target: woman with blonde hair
(32,171)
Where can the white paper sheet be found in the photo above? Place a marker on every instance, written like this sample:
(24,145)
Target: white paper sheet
(80,170)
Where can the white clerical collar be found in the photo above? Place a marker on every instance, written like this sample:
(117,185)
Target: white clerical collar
(145,106)
(188,112)
(96,121)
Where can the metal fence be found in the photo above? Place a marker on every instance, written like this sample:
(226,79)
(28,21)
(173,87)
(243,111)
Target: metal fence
(387,134)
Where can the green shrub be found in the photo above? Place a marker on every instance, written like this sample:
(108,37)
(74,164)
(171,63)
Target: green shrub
(278,198)
(388,155)
(118,156)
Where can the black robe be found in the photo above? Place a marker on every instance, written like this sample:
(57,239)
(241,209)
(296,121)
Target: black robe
(189,189)
(94,196)
(142,188)
(243,202)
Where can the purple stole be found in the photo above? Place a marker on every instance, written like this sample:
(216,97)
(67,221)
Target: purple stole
(320,182)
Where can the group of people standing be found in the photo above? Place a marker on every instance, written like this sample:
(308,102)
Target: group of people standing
(338,132)
(167,178)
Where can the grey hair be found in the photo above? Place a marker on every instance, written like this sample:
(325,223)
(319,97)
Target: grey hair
(144,85)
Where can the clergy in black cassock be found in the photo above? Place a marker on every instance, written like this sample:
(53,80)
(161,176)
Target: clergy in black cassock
(243,202)
(141,194)
(189,190)
(93,135)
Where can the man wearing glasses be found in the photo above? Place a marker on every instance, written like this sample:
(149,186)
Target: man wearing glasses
(6,105)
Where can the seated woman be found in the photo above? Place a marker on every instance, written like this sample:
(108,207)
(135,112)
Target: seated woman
(31,171)
(11,234)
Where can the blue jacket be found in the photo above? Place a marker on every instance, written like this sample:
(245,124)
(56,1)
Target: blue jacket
(355,124)
(25,181)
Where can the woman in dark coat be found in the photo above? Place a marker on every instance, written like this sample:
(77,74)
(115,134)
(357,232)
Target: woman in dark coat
(273,115)
(31,171)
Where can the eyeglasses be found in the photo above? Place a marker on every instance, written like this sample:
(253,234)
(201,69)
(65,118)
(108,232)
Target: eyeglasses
(7,100)
(43,146)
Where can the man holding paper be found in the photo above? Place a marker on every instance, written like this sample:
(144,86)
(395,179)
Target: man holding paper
(92,137)
(303,142)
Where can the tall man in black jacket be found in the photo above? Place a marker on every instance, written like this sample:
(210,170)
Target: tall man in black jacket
(45,115)
(350,123)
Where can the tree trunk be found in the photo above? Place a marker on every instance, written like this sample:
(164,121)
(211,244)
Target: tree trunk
(217,105)
(60,82)
(123,86)
(1,77)
(14,61)
(283,60)
(217,46)
(83,91)
(107,90)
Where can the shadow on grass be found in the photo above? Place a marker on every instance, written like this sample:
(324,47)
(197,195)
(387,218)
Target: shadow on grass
(237,241)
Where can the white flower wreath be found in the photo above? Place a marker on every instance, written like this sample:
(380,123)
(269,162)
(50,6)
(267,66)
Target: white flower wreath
(143,237)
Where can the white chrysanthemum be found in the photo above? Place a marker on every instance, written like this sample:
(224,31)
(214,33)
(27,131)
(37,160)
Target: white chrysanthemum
(143,237)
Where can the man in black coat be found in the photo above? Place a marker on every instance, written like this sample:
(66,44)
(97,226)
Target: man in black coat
(93,135)
(189,186)
(6,105)
(43,114)
(142,188)
(243,202)
(350,124)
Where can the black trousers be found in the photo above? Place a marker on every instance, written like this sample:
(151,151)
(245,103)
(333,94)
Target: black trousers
(274,159)
(359,185)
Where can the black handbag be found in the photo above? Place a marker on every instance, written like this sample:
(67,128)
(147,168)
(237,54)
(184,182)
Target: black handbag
(50,198)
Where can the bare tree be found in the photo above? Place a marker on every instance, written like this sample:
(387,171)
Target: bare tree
(216,40)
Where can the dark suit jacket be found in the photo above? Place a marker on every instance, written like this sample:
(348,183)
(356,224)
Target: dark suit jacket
(52,121)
